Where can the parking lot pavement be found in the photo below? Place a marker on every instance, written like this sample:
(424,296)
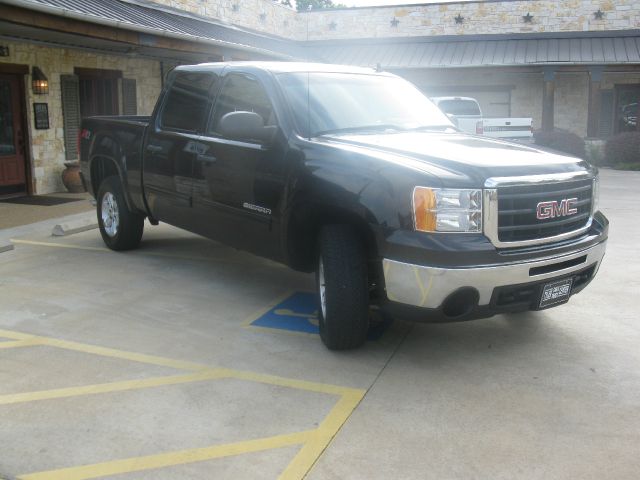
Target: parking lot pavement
(187,359)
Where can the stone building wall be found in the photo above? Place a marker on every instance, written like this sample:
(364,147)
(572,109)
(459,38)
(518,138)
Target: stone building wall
(479,18)
(264,16)
(571,102)
(47,146)
(418,20)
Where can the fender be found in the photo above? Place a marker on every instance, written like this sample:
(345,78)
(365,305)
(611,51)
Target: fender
(105,147)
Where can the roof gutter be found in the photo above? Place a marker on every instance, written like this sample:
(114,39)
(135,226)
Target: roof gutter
(65,12)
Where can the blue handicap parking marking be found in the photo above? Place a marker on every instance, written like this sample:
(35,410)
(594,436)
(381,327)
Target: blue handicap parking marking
(299,313)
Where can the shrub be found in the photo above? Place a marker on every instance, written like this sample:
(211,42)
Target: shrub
(623,151)
(562,141)
(595,152)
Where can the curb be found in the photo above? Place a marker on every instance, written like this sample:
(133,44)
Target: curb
(77,226)
(5,247)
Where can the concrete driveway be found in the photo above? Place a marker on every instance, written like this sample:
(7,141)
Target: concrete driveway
(186,359)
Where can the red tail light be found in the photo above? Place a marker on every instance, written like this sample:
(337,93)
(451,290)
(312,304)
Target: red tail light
(479,128)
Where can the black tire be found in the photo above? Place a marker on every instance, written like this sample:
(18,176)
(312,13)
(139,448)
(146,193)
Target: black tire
(129,226)
(344,321)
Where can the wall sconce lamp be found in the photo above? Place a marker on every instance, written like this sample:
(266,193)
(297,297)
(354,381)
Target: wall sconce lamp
(39,82)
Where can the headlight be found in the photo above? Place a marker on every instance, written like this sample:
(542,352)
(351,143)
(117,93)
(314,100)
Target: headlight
(595,202)
(447,210)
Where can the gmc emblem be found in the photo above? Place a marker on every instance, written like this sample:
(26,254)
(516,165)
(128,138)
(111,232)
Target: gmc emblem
(554,209)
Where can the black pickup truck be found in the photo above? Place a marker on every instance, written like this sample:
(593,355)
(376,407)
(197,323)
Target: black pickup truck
(355,175)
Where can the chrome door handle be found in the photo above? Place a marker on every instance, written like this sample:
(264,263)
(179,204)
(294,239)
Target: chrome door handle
(154,148)
(206,158)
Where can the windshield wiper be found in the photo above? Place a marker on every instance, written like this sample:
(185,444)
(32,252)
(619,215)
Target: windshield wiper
(362,128)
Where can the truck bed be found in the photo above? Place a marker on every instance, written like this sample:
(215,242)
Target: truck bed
(124,133)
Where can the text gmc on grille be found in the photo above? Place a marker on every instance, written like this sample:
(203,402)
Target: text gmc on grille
(517,206)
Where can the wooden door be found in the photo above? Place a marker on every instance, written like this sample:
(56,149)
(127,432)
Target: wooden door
(12,153)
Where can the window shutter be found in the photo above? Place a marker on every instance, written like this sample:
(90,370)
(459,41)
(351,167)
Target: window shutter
(70,87)
(129,97)
(605,128)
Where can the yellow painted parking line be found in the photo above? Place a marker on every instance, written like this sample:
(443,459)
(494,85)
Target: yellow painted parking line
(121,386)
(109,352)
(137,464)
(293,383)
(138,252)
(313,442)
(14,335)
(29,342)
(58,245)
(322,436)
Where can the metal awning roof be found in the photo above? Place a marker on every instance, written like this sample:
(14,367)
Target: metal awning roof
(575,48)
(152,18)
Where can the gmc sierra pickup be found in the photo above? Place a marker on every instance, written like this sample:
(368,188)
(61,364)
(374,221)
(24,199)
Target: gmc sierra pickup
(355,175)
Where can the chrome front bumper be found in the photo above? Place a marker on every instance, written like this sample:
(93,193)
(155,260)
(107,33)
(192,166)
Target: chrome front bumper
(428,287)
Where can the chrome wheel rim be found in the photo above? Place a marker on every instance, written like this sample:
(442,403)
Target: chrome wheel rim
(110,216)
(322,289)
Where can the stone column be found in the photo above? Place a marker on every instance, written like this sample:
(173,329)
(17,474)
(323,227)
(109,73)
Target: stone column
(548,95)
(595,77)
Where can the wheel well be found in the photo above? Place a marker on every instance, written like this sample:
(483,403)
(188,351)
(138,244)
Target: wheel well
(304,229)
(101,168)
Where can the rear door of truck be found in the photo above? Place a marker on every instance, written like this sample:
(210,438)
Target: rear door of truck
(172,146)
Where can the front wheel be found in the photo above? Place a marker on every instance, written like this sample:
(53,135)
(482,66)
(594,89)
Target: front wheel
(342,288)
(120,228)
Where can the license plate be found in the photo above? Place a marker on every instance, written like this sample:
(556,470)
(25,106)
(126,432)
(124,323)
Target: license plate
(556,292)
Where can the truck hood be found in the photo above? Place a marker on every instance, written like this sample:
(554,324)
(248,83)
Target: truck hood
(473,157)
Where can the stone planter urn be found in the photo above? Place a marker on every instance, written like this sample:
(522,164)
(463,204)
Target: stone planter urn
(71,177)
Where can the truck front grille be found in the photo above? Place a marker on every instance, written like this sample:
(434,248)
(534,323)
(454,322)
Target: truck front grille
(517,207)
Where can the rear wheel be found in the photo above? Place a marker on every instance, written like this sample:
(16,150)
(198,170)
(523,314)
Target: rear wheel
(342,288)
(120,228)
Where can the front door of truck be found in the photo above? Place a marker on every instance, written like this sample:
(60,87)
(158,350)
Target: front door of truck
(238,184)
(173,144)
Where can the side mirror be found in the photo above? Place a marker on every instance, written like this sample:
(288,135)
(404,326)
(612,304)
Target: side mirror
(244,126)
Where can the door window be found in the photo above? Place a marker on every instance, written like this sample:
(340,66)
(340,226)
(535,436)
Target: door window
(186,106)
(241,93)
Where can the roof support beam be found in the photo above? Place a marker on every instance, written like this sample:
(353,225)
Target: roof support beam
(548,99)
(595,77)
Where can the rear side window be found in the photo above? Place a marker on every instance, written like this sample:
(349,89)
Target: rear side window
(242,93)
(187,103)
(459,107)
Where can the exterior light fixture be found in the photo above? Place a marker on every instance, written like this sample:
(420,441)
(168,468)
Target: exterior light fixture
(39,82)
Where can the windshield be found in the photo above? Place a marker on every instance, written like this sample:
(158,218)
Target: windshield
(460,107)
(325,103)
